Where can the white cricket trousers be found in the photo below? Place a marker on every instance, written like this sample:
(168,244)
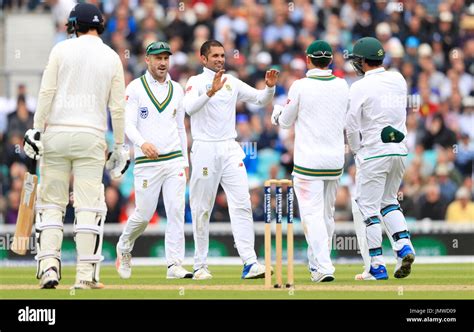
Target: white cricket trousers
(149,181)
(377,183)
(316,199)
(215,163)
(81,155)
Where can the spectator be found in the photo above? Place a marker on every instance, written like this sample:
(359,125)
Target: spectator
(21,120)
(447,186)
(113,202)
(438,134)
(465,155)
(12,206)
(462,209)
(432,205)
(279,31)
(257,204)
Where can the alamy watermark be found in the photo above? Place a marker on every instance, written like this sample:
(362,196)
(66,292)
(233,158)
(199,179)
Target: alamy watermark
(37,315)
(400,101)
(250,149)
(28,243)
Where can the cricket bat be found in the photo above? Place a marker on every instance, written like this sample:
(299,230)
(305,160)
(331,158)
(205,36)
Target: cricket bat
(26,212)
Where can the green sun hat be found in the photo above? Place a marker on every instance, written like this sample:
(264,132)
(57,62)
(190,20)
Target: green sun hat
(158,47)
(319,49)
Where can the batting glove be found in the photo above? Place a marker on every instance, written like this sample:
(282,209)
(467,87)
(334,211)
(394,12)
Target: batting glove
(32,145)
(118,161)
(277,109)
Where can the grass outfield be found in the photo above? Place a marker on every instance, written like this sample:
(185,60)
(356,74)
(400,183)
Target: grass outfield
(427,281)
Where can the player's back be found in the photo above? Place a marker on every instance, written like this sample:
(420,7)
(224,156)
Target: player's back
(86,67)
(319,137)
(384,95)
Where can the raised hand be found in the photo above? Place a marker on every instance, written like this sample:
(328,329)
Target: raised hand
(271,77)
(217,83)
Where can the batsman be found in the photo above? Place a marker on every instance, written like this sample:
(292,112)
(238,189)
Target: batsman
(316,105)
(376,130)
(82,78)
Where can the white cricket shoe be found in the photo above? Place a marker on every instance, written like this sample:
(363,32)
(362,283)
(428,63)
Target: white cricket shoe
(123,264)
(84,284)
(178,272)
(321,277)
(202,274)
(253,271)
(49,279)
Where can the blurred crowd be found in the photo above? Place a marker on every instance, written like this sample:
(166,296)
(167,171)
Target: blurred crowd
(431,42)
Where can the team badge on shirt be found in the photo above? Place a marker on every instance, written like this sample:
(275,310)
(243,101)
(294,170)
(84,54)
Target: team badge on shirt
(174,113)
(143,112)
(228,87)
(145,184)
(205,171)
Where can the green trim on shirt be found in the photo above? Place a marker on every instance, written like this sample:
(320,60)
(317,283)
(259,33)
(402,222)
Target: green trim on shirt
(163,157)
(322,78)
(317,172)
(159,106)
(387,155)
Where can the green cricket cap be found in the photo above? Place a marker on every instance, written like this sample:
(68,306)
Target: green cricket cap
(319,49)
(158,47)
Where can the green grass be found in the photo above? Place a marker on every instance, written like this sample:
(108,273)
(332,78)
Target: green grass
(427,281)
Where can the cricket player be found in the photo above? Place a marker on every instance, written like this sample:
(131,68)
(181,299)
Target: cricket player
(317,105)
(155,125)
(216,157)
(376,130)
(82,78)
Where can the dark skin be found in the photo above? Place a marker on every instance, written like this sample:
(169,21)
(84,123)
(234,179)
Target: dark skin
(215,61)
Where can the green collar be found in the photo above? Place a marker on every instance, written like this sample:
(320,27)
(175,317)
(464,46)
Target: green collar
(159,106)
(322,78)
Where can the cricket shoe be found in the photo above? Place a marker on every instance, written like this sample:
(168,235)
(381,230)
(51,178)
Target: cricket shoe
(253,271)
(202,274)
(405,258)
(123,264)
(321,277)
(84,284)
(178,272)
(379,273)
(49,279)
